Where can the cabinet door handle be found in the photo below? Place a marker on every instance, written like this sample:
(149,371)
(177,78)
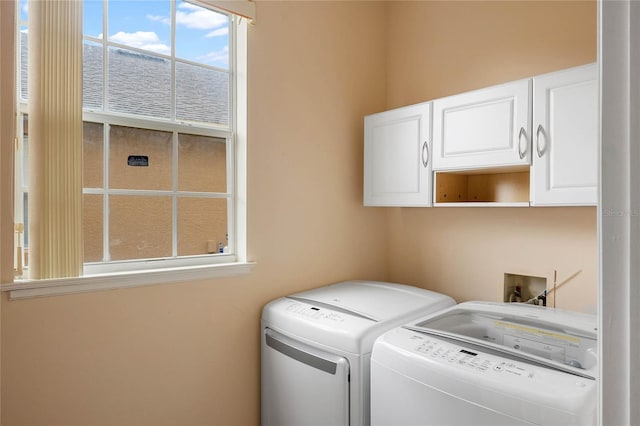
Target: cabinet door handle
(538,131)
(425,154)
(520,151)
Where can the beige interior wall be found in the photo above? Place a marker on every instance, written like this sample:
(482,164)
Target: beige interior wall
(188,353)
(465,252)
(439,48)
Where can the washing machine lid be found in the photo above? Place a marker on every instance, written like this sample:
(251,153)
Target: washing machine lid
(374,300)
(556,338)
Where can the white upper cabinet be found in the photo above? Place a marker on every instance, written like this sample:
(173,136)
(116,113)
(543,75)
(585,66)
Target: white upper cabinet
(483,128)
(565,145)
(528,142)
(397,157)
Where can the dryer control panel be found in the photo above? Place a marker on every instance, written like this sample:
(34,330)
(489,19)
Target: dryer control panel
(317,313)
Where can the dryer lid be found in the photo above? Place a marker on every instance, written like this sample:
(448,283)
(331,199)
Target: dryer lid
(556,338)
(374,300)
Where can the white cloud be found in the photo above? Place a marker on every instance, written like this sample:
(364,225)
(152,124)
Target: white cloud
(198,18)
(147,40)
(190,16)
(219,56)
(193,17)
(219,32)
(159,18)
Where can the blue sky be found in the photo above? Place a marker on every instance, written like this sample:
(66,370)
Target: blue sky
(201,35)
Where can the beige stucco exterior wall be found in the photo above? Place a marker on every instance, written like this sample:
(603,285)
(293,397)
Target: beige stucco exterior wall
(140,226)
(188,353)
(439,48)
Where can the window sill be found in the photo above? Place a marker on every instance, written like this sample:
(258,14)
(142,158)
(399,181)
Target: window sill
(26,289)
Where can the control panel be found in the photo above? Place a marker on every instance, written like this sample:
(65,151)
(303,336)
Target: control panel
(314,312)
(575,349)
(464,358)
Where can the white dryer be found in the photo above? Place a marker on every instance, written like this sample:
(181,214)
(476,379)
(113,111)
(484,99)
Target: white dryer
(487,364)
(316,349)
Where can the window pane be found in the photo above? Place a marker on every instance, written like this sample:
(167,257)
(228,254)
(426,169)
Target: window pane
(139,227)
(202,94)
(139,83)
(22,183)
(25,151)
(202,35)
(92,219)
(128,149)
(24,10)
(142,78)
(92,76)
(202,224)
(25,221)
(202,164)
(24,64)
(92,18)
(143,24)
(92,155)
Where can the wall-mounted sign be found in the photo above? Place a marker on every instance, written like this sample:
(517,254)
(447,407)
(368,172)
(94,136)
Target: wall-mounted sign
(138,160)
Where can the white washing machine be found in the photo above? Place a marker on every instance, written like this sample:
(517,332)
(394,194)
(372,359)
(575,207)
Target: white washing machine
(316,349)
(487,364)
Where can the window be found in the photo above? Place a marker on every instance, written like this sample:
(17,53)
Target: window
(162,135)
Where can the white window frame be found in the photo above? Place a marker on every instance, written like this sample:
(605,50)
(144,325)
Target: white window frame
(121,274)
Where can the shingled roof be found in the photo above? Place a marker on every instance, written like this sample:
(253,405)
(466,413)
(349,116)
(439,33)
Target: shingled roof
(139,84)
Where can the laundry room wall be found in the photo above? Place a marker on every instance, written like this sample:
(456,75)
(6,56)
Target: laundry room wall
(440,48)
(188,353)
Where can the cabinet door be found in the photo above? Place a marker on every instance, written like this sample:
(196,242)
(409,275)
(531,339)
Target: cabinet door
(397,163)
(484,128)
(565,159)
